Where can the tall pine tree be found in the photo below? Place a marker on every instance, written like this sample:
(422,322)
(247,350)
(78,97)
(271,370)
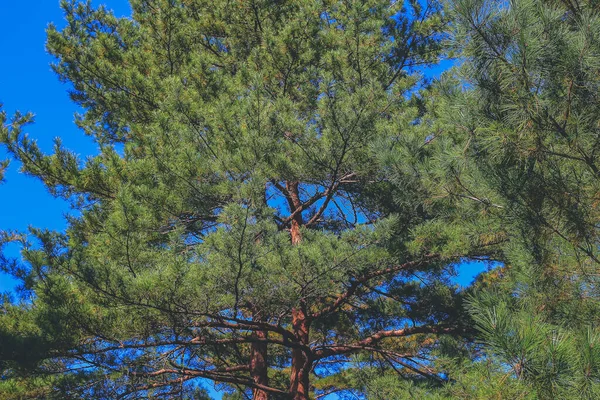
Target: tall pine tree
(263,207)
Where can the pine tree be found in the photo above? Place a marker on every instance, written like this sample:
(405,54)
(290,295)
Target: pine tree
(522,109)
(265,204)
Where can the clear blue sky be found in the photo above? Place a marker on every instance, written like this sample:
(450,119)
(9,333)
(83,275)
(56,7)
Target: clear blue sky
(28,84)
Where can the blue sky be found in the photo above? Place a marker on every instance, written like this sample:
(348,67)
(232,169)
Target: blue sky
(28,84)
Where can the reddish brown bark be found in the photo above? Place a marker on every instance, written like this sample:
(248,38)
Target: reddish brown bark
(258,366)
(295,233)
(301,362)
(295,207)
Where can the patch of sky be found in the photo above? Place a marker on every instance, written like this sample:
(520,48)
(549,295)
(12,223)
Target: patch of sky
(467,270)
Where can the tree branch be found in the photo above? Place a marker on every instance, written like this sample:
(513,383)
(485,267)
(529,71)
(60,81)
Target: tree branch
(364,344)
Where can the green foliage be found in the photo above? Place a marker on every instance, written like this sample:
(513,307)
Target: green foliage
(531,120)
(557,361)
(520,109)
(263,191)
(12,127)
(516,130)
(280,200)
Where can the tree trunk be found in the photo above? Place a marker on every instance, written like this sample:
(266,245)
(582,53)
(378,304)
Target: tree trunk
(301,362)
(258,367)
(295,232)
(295,204)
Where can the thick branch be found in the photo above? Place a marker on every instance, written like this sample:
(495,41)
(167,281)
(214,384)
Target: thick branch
(364,344)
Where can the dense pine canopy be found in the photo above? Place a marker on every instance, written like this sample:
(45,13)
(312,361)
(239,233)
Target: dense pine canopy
(281,198)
